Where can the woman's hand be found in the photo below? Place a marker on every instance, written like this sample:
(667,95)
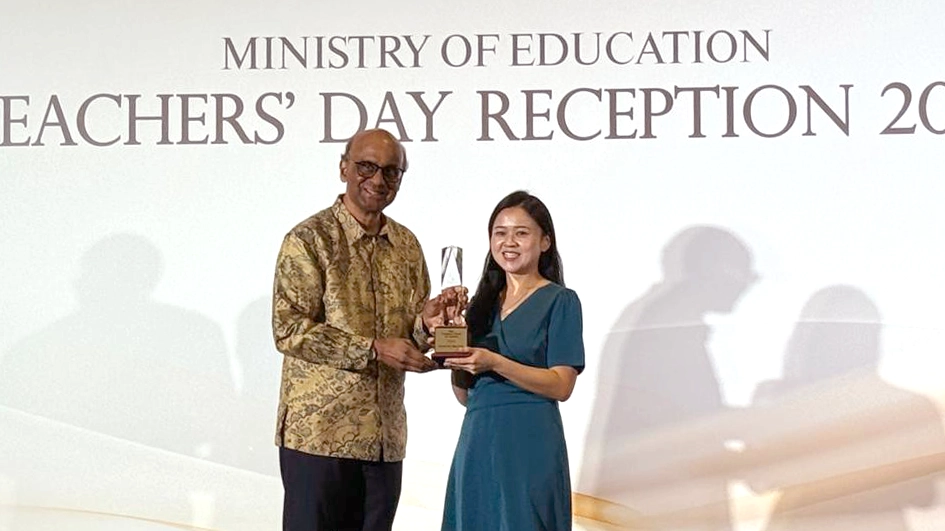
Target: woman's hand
(478,361)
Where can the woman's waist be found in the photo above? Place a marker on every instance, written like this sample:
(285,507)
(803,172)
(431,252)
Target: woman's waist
(503,394)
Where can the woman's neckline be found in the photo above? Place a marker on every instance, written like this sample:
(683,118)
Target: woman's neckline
(505,314)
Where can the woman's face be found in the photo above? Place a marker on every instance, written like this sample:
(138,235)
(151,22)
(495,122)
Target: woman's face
(517,241)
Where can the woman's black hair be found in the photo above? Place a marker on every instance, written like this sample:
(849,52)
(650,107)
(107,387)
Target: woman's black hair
(480,310)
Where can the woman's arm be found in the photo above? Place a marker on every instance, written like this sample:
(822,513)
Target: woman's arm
(460,395)
(555,383)
(461,381)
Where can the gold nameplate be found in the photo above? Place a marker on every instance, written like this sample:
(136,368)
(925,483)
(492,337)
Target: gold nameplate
(448,341)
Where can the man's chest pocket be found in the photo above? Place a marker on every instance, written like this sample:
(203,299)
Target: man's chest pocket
(397,292)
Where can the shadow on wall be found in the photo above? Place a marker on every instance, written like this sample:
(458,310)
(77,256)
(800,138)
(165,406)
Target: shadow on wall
(658,391)
(261,365)
(840,449)
(124,364)
(846,450)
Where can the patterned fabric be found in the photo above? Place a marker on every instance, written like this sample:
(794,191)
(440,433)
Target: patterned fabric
(336,289)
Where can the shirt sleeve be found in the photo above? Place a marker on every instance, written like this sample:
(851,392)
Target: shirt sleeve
(421,295)
(298,313)
(566,332)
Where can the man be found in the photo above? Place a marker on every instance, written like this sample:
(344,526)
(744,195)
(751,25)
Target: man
(350,313)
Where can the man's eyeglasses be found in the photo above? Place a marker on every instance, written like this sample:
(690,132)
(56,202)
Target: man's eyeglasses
(392,174)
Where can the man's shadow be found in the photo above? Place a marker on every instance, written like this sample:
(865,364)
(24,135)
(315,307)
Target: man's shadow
(254,440)
(846,450)
(651,432)
(124,364)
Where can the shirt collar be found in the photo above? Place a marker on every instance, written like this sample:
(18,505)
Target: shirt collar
(352,229)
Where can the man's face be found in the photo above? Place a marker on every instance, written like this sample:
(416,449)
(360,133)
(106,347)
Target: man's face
(372,194)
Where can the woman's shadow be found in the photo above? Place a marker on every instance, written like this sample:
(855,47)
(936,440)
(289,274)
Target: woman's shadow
(846,450)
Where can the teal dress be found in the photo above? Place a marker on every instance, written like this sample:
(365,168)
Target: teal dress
(510,470)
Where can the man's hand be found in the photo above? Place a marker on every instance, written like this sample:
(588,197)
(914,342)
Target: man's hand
(446,308)
(402,355)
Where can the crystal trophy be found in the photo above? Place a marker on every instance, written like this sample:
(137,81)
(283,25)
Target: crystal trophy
(450,339)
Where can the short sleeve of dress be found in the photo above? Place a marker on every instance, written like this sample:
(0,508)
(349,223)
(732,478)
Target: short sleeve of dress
(566,332)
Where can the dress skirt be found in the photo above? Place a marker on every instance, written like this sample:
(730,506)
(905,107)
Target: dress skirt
(510,471)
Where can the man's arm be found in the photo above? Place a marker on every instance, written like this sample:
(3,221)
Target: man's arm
(298,313)
(421,335)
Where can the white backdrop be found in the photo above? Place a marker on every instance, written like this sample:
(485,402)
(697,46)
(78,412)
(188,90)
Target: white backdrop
(762,310)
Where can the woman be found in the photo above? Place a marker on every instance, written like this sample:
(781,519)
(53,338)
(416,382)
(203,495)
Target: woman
(510,469)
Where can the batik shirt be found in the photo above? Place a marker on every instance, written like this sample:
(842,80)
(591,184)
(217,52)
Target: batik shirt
(336,289)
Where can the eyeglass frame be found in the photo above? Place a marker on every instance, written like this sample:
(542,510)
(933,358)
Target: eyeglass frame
(358,164)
